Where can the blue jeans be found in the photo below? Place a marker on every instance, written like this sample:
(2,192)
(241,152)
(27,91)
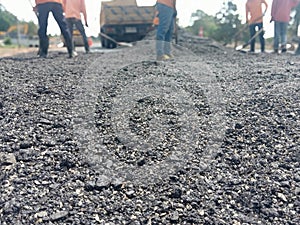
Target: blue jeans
(57,11)
(280,34)
(165,29)
(78,24)
(261,37)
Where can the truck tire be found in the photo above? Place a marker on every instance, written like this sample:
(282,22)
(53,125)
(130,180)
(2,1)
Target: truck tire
(111,44)
(103,44)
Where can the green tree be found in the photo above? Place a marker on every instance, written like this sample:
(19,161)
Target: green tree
(201,19)
(228,22)
(7,19)
(32,29)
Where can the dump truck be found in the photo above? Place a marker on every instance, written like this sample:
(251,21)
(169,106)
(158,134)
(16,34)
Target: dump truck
(124,21)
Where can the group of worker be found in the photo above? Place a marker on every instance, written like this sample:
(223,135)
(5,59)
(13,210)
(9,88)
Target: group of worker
(280,15)
(67,14)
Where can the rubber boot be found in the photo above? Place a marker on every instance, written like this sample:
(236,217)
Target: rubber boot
(283,49)
(69,45)
(43,50)
(86,45)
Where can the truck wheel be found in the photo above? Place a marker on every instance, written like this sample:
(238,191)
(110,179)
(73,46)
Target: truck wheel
(102,43)
(111,44)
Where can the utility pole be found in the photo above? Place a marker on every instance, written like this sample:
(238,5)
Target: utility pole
(18,33)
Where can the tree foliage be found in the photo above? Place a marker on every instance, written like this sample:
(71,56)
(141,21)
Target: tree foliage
(222,27)
(201,19)
(8,20)
(32,29)
(228,22)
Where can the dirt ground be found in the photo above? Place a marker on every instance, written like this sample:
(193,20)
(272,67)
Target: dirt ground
(5,51)
(116,137)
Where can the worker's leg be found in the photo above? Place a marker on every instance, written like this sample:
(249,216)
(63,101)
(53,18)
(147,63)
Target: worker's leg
(80,27)
(283,35)
(169,35)
(70,23)
(261,37)
(57,12)
(252,33)
(43,10)
(165,15)
(276,36)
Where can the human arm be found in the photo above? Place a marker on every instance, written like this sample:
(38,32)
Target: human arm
(266,6)
(247,13)
(83,10)
(64,3)
(274,9)
(35,8)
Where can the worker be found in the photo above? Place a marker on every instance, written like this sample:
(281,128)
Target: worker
(254,18)
(73,10)
(166,16)
(43,8)
(280,14)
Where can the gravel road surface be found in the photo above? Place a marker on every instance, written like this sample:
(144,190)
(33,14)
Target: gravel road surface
(211,137)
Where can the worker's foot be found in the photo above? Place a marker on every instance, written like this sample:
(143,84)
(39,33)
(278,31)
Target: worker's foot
(170,56)
(73,54)
(283,50)
(162,58)
(42,55)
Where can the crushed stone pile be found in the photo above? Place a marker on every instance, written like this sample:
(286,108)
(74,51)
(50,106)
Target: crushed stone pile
(211,137)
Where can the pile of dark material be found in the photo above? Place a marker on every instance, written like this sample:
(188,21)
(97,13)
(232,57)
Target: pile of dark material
(145,162)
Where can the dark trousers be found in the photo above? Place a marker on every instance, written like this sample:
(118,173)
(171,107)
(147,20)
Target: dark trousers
(164,29)
(57,11)
(78,24)
(261,36)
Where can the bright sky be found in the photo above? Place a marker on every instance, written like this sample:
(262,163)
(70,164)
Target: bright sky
(23,10)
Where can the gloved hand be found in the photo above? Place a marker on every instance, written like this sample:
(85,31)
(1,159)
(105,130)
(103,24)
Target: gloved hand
(271,20)
(86,24)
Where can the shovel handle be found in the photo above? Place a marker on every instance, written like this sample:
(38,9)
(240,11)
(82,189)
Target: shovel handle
(249,41)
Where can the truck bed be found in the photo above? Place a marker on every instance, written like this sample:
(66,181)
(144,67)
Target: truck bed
(119,15)
(124,21)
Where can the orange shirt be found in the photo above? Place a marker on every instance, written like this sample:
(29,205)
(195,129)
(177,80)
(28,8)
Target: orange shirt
(37,2)
(254,12)
(73,8)
(170,3)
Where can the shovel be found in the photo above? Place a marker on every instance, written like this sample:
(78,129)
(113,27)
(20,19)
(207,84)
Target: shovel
(124,44)
(240,47)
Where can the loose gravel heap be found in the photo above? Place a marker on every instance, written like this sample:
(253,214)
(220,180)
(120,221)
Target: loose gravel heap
(211,137)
